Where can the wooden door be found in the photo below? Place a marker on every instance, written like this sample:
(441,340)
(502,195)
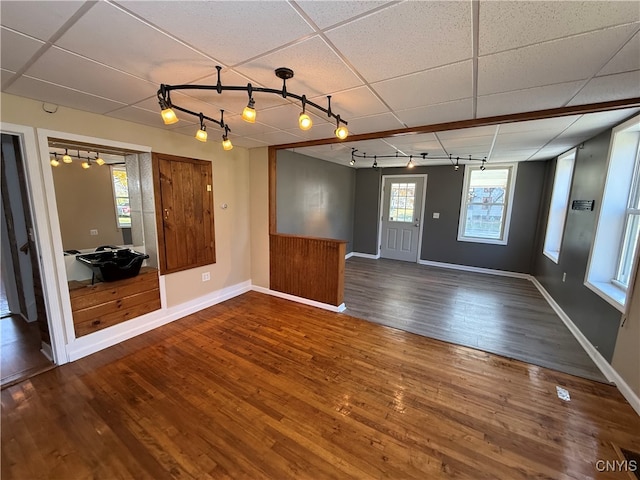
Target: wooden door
(401,217)
(184,212)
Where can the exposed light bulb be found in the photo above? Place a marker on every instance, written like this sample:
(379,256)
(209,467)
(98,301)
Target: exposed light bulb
(410,164)
(352,162)
(342,132)
(304,121)
(169,117)
(456,167)
(202,134)
(226,143)
(249,112)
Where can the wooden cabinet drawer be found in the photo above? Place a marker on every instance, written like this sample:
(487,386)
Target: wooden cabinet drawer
(105,304)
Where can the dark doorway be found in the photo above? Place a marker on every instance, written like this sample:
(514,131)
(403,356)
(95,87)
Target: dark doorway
(24,324)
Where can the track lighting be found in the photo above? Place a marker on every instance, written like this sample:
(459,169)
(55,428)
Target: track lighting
(168,108)
(54,161)
(66,158)
(99,160)
(304,120)
(249,112)
(375,162)
(202,133)
(226,143)
(410,164)
(86,164)
(169,117)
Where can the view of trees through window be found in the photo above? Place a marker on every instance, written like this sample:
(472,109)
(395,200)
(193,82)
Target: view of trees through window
(121,196)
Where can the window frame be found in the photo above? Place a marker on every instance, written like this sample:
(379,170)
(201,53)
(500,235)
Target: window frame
(508,204)
(607,244)
(119,168)
(559,207)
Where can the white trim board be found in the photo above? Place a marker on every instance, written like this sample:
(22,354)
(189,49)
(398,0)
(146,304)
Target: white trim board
(605,367)
(365,255)
(325,306)
(466,268)
(108,337)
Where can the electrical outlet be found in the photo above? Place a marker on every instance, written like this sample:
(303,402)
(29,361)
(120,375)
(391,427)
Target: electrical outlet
(206,276)
(436,215)
(93,231)
(564,277)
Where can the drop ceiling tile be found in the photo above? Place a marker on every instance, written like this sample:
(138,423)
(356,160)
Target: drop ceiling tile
(325,14)
(6,75)
(230,31)
(527,100)
(423,35)
(550,152)
(440,113)
(374,123)
(275,138)
(39,19)
(285,117)
(532,139)
(247,143)
(589,125)
(610,87)
(150,54)
(242,128)
(526,23)
(140,115)
(357,102)
(325,130)
(438,85)
(17,49)
(473,132)
(627,59)
(559,61)
(512,156)
(558,124)
(51,93)
(73,71)
(317,69)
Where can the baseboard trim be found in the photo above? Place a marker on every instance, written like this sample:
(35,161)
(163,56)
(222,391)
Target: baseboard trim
(348,256)
(108,337)
(46,350)
(467,268)
(605,367)
(365,255)
(325,306)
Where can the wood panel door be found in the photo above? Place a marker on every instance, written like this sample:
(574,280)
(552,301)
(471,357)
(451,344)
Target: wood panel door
(184,212)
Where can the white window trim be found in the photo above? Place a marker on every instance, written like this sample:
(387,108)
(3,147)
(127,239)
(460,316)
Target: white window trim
(552,254)
(511,187)
(113,190)
(603,251)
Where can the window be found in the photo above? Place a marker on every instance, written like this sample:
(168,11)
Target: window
(486,204)
(613,254)
(559,205)
(402,202)
(121,196)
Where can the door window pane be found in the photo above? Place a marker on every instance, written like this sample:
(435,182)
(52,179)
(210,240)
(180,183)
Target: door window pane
(402,200)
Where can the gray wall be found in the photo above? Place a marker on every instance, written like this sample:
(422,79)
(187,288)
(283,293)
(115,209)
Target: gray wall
(444,193)
(595,318)
(314,197)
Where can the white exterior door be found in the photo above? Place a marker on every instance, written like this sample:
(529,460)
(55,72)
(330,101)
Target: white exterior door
(401,217)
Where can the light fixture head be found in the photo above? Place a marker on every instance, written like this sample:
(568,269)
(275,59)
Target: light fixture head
(66,158)
(86,164)
(352,162)
(304,121)
(169,117)
(99,160)
(54,161)
(249,112)
(342,132)
(410,164)
(202,134)
(456,167)
(226,143)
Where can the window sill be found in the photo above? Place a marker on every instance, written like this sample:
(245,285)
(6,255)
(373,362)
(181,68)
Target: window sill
(491,241)
(613,295)
(553,256)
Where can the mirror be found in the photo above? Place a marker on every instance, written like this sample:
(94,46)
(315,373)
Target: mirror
(99,198)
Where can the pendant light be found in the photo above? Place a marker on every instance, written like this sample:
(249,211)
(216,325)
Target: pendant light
(202,133)
(99,160)
(304,120)
(54,161)
(66,158)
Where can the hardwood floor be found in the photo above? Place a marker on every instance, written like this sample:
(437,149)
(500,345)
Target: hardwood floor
(20,355)
(502,315)
(259,387)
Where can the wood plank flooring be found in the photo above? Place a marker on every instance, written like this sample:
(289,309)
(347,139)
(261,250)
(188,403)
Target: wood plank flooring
(261,388)
(502,315)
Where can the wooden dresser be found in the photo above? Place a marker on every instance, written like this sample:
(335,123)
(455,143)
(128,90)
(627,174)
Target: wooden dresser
(105,304)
